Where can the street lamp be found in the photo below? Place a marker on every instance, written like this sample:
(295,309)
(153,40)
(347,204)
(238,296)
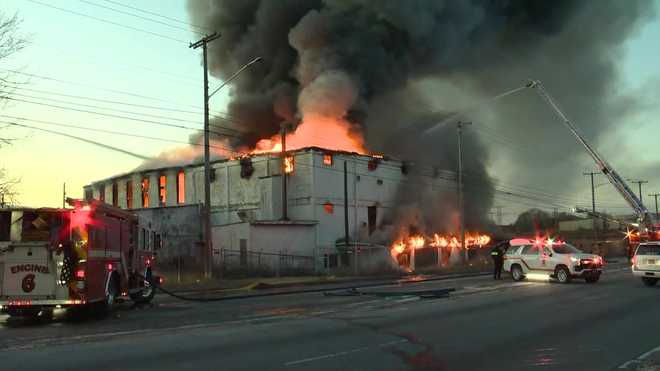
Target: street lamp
(208,243)
(245,66)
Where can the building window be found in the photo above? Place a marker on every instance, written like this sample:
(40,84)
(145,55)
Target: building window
(102,193)
(89,194)
(372,217)
(288,164)
(181,187)
(328,207)
(145,192)
(162,191)
(327,159)
(129,194)
(115,194)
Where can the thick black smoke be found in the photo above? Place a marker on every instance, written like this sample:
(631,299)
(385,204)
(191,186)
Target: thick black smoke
(396,61)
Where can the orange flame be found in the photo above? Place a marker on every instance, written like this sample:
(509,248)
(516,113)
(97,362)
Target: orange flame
(438,240)
(322,132)
(288,164)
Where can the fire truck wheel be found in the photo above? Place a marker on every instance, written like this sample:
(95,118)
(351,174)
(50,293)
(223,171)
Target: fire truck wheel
(562,274)
(649,281)
(517,273)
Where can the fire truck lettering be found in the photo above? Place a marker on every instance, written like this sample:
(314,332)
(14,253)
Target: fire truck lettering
(30,268)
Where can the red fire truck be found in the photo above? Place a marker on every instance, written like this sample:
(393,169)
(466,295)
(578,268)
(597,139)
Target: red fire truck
(89,255)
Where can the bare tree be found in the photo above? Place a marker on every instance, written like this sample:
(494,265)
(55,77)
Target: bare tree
(8,191)
(11,42)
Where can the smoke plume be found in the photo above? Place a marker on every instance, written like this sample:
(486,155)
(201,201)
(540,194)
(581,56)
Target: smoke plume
(382,68)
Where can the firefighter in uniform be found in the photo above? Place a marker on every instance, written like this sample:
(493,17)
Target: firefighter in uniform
(498,259)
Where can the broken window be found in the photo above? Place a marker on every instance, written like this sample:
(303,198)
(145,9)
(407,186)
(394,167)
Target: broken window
(327,159)
(115,194)
(145,192)
(129,194)
(162,189)
(246,167)
(102,193)
(180,187)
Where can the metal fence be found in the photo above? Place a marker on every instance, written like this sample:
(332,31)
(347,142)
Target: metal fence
(259,263)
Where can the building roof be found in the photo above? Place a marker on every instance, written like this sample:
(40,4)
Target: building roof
(260,155)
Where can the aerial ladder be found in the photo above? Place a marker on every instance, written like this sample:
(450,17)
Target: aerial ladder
(647,226)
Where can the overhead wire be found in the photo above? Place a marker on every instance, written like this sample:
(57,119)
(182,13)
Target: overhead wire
(159,15)
(113,132)
(120,117)
(86,140)
(109,22)
(139,16)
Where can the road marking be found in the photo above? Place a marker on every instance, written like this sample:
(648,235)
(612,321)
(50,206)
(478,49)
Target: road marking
(109,335)
(407,299)
(640,358)
(345,352)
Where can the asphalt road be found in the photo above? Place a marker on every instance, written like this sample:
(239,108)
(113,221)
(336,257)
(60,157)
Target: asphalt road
(484,325)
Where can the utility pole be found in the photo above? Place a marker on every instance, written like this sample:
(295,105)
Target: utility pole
(593,202)
(285,198)
(499,214)
(461,206)
(207,254)
(639,185)
(655,195)
(64,195)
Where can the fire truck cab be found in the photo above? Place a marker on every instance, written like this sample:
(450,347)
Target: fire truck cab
(91,254)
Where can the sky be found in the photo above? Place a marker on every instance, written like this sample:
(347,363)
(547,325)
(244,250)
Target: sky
(107,56)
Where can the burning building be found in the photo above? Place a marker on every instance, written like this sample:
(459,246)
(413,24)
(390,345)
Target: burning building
(330,195)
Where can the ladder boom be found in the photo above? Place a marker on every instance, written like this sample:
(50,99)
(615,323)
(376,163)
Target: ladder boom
(642,212)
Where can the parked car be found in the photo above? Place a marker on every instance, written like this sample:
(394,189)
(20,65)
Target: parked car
(646,262)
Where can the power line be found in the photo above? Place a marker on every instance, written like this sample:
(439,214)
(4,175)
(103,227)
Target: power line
(115,91)
(159,15)
(125,104)
(139,16)
(120,117)
(109,22)
(113,132)
(117,149)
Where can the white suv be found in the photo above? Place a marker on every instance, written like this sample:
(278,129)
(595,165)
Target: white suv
(646,262)
(548,258)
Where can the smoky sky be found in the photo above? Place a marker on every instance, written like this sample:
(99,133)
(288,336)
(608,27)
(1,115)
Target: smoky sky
(401,55)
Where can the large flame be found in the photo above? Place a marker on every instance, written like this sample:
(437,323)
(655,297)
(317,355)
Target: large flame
(416,242)
(322,132)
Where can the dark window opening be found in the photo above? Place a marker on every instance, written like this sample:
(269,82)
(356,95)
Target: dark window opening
(372,216)
(115,194)
(5,225)
(89,194)
(129,194)
(102,193)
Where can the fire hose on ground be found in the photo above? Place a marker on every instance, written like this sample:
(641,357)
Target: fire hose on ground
(346,290)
